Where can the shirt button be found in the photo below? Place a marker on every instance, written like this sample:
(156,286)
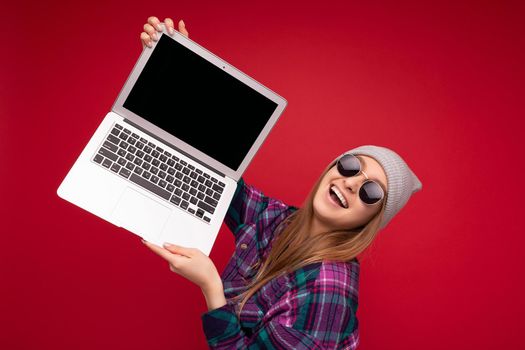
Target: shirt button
(244,246)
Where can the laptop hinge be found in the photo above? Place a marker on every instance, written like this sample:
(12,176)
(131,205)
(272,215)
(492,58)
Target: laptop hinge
(174,147)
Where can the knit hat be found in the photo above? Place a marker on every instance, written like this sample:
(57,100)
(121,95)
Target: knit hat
(401,181)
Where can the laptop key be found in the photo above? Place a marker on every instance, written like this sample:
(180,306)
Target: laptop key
(207,219)
(127,131)
(193,200)
(154,179)
(175,200)
(121,152)
(162,183)
(200,212)
(170,187)
(150,187)
(98,158)
(211,201)
(115,167)
(217,188)
(184,205)
(108,154)
(206,207)
(191,210)
(113,139)
(222,184)
(131,141)
(118,126)
(146,175)
(138,170)
(124,172)
(216,196)
(122,161)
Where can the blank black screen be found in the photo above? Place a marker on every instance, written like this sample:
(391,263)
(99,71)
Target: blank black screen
(199,103)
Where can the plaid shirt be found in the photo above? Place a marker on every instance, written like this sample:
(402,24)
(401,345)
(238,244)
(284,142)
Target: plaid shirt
(311,308)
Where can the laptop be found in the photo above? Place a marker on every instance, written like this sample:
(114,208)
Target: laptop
(165,161)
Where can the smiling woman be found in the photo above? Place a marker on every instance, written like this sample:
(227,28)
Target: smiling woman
(295,265)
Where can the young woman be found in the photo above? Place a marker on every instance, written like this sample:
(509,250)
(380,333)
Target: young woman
(292,282)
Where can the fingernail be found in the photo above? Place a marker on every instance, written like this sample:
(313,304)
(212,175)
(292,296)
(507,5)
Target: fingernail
(154,36)
(170,30)
(159,28)
(181,21)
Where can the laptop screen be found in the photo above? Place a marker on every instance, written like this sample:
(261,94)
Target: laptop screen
(199,103)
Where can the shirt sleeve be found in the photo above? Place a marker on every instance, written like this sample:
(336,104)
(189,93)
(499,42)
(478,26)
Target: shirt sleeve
(324,319)
(247,203)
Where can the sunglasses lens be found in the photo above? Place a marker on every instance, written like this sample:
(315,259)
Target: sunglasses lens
(370,192)
(348,165)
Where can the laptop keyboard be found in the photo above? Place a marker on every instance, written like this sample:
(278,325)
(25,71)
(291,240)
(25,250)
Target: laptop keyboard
(150,166)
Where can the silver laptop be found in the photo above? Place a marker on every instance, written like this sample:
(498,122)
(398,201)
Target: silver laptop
(165,162)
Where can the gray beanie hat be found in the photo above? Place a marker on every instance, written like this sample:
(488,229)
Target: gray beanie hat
(401,181)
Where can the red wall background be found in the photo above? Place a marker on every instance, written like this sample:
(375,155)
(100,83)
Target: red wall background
(441,84)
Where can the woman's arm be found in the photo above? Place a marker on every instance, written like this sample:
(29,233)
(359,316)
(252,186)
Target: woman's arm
(318,313)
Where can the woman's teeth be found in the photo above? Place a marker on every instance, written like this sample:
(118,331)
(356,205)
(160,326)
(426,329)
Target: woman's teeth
(340,196)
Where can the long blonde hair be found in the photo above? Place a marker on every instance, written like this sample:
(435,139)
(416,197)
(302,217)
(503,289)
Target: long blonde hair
(295,247)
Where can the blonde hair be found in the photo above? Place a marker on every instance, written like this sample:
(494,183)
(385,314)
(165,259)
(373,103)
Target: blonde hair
(295,247)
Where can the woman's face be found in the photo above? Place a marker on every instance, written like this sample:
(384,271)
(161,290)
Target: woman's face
(329,214)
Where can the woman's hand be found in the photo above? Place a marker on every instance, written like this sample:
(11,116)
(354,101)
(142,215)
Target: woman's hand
(190,263)
(153,26)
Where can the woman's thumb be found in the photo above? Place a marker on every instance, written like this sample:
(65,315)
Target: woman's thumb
(177,249)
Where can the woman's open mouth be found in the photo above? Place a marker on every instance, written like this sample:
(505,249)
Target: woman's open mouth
(337,197)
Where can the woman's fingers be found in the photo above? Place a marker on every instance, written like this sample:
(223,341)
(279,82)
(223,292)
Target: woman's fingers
(154,21)
(146,40)
(169,25)
(182,29)
(149,35)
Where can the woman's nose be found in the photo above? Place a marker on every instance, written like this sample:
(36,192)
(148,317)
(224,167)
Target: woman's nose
(354,182)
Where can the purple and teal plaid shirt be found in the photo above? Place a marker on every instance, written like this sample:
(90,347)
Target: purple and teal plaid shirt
(311,308)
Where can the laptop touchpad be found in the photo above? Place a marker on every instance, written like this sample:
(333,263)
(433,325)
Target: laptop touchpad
(140,214)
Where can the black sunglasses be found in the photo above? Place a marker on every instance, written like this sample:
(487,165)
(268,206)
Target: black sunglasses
(370,191)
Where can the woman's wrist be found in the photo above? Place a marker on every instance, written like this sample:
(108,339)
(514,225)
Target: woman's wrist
(214,295)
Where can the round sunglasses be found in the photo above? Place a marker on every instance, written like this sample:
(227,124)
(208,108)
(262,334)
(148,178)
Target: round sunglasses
(370,191)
